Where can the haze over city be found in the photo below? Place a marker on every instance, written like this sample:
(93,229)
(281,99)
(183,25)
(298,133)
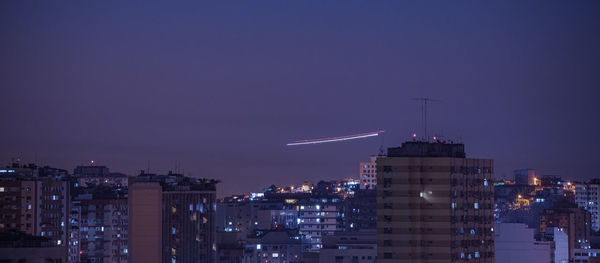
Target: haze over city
(218,89)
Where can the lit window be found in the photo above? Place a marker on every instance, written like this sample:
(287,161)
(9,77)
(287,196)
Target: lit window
(258,246)
(476,254)
(476,205)
(275,255)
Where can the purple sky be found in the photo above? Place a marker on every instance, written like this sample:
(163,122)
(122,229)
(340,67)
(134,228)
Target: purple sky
(221,87)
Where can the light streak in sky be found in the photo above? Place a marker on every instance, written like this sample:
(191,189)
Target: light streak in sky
(336,139)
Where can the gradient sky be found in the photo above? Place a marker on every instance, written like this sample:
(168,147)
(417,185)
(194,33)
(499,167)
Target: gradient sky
(220,87)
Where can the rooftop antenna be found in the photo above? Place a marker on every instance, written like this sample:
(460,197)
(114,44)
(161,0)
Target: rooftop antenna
(424,101)
(381,148)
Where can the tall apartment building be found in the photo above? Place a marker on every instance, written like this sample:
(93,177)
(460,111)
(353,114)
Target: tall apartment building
(35,200)
(368,174)
(172,219)
(587,196)
(434,205)
(99,220)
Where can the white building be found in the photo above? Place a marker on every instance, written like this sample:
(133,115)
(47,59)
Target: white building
(316,221)
(515,243)
(561,244)
(368,174)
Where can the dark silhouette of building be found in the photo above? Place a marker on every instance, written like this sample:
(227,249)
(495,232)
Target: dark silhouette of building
(360,211)
(16,246)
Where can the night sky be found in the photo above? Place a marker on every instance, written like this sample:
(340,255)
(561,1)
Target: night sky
(221,87)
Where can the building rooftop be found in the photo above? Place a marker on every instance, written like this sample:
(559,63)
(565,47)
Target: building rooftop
(427,149)
(178,182)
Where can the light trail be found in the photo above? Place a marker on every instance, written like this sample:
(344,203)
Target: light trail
(336,139)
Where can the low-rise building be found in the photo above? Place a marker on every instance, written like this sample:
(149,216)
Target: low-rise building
(350,247)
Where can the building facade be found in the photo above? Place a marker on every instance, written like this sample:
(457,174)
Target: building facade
(587,196)
(368,174)
(99,228)
(35,201)
(172,219)
(434,205)
(350,247)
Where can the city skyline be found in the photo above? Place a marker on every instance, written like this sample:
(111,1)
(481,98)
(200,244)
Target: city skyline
(218,89)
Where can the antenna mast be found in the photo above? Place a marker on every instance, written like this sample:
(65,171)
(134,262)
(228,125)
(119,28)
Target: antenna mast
(424,101)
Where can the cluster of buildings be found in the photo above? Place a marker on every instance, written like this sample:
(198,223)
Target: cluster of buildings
(420,202)
(557,219)
(93,215)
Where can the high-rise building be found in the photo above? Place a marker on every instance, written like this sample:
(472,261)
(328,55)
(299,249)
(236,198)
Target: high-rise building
(99,223)
(434,205)
(573,221)
(172,219)
(587,196)
(35,200)
(368,174)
